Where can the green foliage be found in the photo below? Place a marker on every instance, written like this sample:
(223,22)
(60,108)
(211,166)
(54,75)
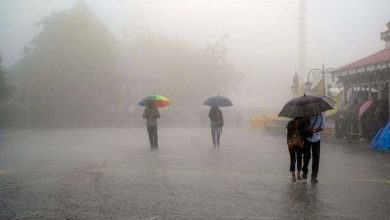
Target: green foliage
(6,91)
(70,69)
(73,70)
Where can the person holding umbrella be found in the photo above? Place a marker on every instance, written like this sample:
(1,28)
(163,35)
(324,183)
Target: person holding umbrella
(312,146)
(151,114)
(216,123)
(310,108)
(295,145)
(216,117)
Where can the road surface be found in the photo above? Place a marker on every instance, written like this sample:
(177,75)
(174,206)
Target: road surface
(112,174)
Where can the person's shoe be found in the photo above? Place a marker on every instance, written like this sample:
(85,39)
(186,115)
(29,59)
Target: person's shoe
(299,177)
(293,179)
(304,175)
(314,180)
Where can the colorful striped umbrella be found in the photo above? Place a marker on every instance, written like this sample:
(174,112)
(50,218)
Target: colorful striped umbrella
(156,101)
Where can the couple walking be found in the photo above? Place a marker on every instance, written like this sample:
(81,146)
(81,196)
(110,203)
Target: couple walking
(303,140)
(151,114)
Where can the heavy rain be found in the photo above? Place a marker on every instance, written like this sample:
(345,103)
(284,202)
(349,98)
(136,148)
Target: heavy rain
(194,109)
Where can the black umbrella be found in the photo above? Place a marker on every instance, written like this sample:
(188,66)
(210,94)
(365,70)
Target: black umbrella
(329,100)
(304,106)
(218,101)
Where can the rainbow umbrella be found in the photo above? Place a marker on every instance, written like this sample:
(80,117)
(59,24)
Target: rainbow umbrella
(156,101)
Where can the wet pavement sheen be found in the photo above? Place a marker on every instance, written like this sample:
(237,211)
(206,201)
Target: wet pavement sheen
(112,174)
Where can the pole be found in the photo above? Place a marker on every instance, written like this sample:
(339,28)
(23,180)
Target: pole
(320,74)
(302,38)
(323,79)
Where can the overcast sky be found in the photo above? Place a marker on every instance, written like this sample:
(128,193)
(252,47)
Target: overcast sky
(262,34)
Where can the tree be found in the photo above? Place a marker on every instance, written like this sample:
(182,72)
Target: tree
(70,69)
(179,70)
(6,91)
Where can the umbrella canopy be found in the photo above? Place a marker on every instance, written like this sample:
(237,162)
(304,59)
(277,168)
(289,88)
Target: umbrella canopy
(218,101)
(156,101)
(304,106)
(329,100)
(363,108)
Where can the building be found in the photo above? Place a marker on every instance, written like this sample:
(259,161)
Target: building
(368,79)
(369,73)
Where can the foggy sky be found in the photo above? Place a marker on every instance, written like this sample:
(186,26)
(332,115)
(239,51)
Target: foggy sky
(262,34)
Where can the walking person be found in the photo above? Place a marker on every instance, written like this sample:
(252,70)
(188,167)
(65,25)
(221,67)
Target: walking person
(151,114)
(310,108)
(295,143)
(216,123)
(311,146)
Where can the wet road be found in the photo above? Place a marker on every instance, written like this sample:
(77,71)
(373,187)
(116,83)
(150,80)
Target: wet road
(112,174)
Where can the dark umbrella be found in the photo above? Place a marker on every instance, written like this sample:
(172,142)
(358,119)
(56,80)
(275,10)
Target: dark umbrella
(304,106)
(329,100)
(218,101)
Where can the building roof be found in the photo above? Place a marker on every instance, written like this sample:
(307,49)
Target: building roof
(380,57)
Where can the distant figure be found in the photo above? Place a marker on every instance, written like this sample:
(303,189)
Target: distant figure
(312,146)
(151,114)
(216,123)
(295,142)
(341,125)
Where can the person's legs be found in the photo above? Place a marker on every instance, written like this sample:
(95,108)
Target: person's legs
(306,158)
(316,159)
(299,160)
(299,163)
(155,138)
(213,134)
(150,133)
(292,160)
(218,131)
(292,164)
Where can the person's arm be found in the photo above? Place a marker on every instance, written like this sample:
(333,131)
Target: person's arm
(291,130)
(210,115)
(221,117)
(157,114)
(288,133)
(145,113)
(321,127)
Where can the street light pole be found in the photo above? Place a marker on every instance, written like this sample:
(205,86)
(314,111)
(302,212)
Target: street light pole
(323,79)
(318,74)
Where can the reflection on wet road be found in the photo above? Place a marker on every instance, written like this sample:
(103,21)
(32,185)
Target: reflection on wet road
(112,174)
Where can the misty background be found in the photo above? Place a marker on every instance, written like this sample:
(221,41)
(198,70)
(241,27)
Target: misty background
(246,50)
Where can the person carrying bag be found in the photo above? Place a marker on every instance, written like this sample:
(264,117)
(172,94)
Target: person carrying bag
(295,143)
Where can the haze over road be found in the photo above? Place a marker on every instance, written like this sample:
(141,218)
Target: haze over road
(112,174)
